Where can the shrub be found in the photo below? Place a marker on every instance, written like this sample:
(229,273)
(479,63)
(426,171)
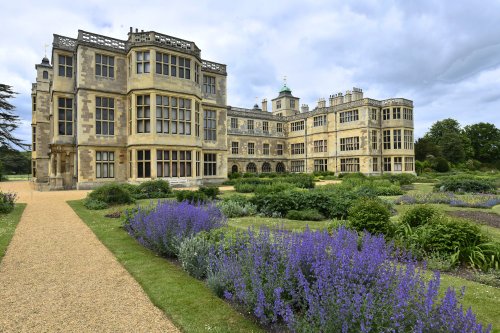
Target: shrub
(111,194)
(191,196)
(234,208)
(305,215)
(94,204)
(273,188)
(193,255)
(465,184)
(370,215)
(234,175)
(419,215)
(440,165)
(244,187)
(210,191)
(7,201)
(316,282)
(401,178)
(153,189)
(163,227)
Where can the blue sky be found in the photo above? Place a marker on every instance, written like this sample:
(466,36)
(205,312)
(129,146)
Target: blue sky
(443,55)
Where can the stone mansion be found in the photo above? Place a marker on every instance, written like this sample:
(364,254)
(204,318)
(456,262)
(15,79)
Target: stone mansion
(149,107)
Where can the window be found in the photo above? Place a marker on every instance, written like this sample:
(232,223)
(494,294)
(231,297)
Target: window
(65,114)
(180,116)
(292,104)
(265,126)
(387,164)
(143,114)
(129,101)
(348,116)
(266,167)
(235,148)
(197,119)
(209,125)
(278,104)
(65,66)
(104,116)
(33,169)
(251,168)
(105,164)
(397,139)
(319,146)
(196,73)
(143,163)
(279,127)
(198,162)
(408,139)
(279,149)
(173,163)
(374,140)
(387,139)
(265,149)
(396,113)
(104,65)
(375,164)
(398,164)
(297,166)
(234,123)
(351,143)
(407,114)
(161,63)
(297,126)
(320,165)
(297,148)
(162,114)
(386,114)
(234,168)
(319,120)
(209,165)
(184,68)
(45,75)
(251,148)
(33,103)
(142,62)
(409,164)
(280,167)
(173,65)
(130,164)
(33,138)
(208,84)
(374,114)
(250,125)
(349,164)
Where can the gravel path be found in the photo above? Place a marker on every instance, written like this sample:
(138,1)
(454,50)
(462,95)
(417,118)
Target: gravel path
(56,276)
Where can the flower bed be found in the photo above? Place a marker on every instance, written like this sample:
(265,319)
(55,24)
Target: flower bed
(467,200)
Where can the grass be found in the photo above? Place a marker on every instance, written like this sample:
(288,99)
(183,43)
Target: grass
(8,224)
(17,177)
(186,301)
(276,223)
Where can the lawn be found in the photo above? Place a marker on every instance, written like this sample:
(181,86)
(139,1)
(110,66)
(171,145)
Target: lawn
(8,224)
(186,301)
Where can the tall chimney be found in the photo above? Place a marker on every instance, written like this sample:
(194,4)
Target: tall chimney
(264,105)
(321,103)
(304,108)
(348,96)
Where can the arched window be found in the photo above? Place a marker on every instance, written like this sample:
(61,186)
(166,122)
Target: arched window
(280,167)
(45,75)
(266,167)
(252,168)
(234,168)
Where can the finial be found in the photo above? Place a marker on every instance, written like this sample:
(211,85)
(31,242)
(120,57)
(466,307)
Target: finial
(46,45)
(284,80)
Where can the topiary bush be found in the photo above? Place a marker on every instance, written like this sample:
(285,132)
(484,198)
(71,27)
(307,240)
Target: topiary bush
(112,194)
(7,201)
(94,204)
(305,215)
(372,215)
(419,215)
(191,196)
(153,189)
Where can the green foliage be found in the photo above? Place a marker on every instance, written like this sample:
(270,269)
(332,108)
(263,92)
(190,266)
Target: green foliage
(234,175)
(94,204)
(305,215)
(9,121)
(465,184)
(276,184)
(13,162)
(419,215)
(193,197)
(237,208)
(485,141)
(273,188)
(210,191)
(440,164)
(112,194)
(193,255)
(371,215)
(244,187)
(7,201)
(425,147)
(152,189)
(401,178)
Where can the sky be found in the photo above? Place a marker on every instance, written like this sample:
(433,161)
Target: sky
(442,55)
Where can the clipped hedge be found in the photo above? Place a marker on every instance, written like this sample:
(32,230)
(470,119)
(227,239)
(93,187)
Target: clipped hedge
(112,194)
(465,184)
(372,215)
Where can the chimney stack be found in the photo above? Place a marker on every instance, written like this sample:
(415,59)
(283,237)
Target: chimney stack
(321,103)
(304,108)
(348,96)
(357,94)
(264,105)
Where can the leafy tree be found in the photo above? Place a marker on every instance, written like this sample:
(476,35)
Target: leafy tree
(425,147)
(453,147)
(8,120)
(485,141)
(14,162)
(440,128)
(447,134)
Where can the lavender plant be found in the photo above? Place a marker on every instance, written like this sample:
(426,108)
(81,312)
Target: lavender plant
(316,282)
(163,227)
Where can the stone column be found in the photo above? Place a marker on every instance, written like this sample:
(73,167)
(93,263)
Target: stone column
(51,165)
(75,164)
(58,172)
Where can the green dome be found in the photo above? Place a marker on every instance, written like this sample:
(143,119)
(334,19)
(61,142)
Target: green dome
(285,89)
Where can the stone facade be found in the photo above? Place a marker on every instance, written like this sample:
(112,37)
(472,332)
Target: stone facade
(150,107)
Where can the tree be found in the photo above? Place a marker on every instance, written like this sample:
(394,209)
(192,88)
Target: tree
(8,120)
(485,141)
(448,135)
(440,128)
(425,147)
